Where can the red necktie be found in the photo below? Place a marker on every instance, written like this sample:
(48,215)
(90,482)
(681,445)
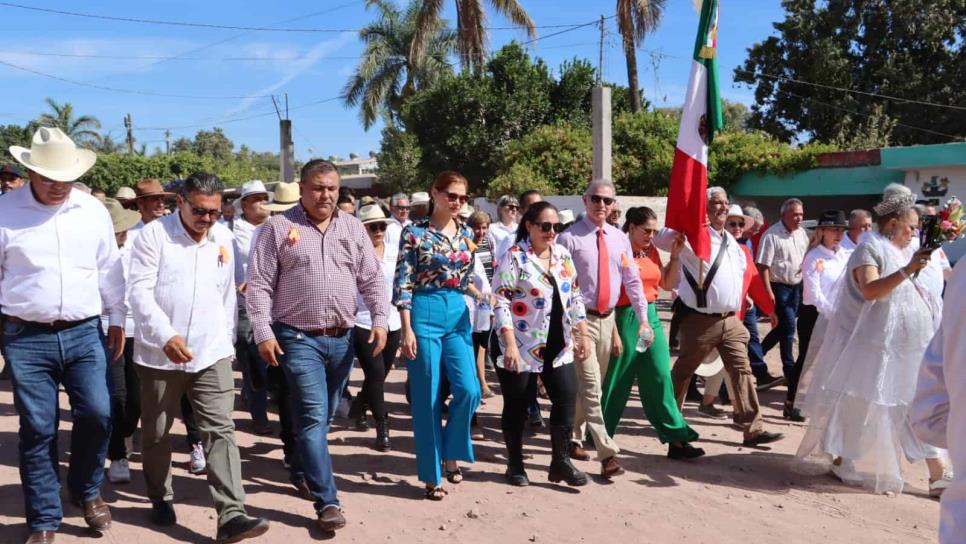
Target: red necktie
(603,274)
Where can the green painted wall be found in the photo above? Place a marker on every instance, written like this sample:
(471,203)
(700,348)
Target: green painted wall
(859,180)
(924,156)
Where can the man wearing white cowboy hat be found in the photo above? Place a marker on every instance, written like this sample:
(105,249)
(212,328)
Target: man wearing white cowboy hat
(252,202)
(59,269)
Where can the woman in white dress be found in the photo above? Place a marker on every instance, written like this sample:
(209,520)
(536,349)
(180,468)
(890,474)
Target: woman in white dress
(864,375)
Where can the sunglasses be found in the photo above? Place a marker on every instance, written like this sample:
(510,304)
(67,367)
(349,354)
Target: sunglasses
(377,227)
(597,199)
(652,232)
(402,208)
(547,226)
(453,197)
(202,212)
(512,207)
(736,224)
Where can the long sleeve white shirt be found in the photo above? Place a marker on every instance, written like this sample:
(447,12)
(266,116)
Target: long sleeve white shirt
(938,411)
(725,292)
(821,271)
(59,263)
(243,233)
(179,287)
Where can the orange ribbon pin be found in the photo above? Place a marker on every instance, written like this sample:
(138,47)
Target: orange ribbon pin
(293,236)
(223,256)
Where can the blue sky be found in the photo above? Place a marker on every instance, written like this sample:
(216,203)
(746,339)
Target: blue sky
(324,62)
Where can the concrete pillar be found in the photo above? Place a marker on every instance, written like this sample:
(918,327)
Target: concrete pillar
(602,133)
(286,163)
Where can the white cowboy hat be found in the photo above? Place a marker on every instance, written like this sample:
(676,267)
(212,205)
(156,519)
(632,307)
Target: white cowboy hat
(55,156)
(286,196)
(735,211)
(125,194)
(566,216)
(372,213)
(711,365)
(419,198)
(253,187)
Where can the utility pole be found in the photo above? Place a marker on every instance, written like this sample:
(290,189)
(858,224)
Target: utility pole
(600,60)
(286,155)
(601,129)
(167,142)
(130,134)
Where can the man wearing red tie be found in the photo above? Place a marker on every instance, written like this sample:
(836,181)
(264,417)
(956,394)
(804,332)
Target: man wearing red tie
(604,261)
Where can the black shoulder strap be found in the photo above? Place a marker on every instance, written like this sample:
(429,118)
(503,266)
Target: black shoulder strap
(701,292)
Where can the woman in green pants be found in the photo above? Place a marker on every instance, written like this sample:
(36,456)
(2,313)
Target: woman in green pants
(652,368)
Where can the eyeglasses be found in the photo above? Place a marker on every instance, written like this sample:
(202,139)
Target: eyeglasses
(736,224)
(202,212)
(597,199)
(453,197)
(402,208)
(512,207)
(376,227)
(652,232)
(546,226)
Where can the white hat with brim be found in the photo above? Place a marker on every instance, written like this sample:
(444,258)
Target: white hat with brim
(286,196)
(253,187)
(372,213)
(122,219)
(55,156)
(735,211)
(419,198)
(711,365)
(125,194)
(566,216)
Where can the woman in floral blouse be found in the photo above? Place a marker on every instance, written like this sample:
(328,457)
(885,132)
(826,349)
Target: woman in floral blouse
(433,273)
(541,321)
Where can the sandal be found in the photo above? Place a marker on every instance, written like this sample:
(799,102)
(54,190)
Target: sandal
(453,476)
(435,492)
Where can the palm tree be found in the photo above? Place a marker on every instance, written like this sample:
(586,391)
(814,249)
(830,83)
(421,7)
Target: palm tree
(636,19)
(386,76)
(83,129)
(470,27)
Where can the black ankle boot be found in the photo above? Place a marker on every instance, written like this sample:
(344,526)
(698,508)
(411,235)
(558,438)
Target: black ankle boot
(561,469)
(382,434)
(516,475)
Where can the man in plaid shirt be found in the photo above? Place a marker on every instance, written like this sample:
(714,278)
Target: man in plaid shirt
(305,268)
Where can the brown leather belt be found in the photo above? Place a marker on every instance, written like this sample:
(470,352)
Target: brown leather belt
(330,331)
(604,315)
(55,326)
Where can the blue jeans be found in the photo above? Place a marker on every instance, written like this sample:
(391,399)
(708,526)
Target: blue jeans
(755,354)
(39,361)
(444,345)
(787,300)
(254,369)
(317,369)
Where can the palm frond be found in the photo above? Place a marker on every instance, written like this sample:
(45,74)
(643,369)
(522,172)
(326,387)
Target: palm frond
(512,10)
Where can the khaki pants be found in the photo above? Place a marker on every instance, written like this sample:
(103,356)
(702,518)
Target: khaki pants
(211,393)
(702,333)
(589,415)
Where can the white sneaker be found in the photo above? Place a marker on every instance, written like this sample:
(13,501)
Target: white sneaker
(936,488)
(119,472)
(198,464)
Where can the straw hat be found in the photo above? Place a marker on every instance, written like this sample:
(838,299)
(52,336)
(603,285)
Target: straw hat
(123,219)
(372,213)
(55,156)
(566,216)
(419,198)
(150,187)
(125,194)
(286,196)
(711,365)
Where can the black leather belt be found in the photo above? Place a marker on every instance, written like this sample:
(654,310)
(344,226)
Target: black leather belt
(329,331)
(685,309)
(604,315)
(55,326)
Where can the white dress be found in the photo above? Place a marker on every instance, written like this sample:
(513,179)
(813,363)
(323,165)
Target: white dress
(861,383)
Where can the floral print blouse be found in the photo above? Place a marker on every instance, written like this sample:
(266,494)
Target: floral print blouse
(429,259)
(524,299)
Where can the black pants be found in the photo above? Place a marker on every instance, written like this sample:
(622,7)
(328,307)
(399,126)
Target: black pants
(677,314)
(375,368)
(519,387)
(807,316)
(192,435)
(125,401)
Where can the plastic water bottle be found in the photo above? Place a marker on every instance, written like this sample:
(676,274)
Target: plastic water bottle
(644,340)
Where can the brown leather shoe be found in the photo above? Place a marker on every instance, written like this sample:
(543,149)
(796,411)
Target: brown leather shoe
(97,514)
(41,537)
(577,452)
(611,467)
(331,519)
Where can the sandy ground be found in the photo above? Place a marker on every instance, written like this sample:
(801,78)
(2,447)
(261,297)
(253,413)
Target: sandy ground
(733,494)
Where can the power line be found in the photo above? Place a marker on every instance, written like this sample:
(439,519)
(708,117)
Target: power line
(211,25)
(570,28)
(245,118)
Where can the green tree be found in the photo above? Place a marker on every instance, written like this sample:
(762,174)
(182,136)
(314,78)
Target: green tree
(182,145)
(643,146)
(213,143)
(399,160)
(561,154)
(635,20)
(107,144)
(386,74)
(516,179)
(470,27)
(14,135)
(735,115)
(912,49)
(82,129)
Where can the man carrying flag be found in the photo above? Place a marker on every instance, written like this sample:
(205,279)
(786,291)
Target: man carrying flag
(711,272)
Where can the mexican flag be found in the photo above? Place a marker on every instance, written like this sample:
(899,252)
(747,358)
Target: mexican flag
(701,118)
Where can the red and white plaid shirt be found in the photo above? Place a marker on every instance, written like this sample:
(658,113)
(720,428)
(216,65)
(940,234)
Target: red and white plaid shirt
(308,279)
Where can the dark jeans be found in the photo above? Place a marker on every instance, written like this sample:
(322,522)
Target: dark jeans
(807,316)
(254,369)
(317,368)
(125,401)
(787,300)
(755,353)
(192,434)
(533,405)
(375,368)
(280,390)
(40,360)
(677,314)
(518,387)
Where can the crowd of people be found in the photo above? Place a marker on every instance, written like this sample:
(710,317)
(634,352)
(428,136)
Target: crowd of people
(142,306)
